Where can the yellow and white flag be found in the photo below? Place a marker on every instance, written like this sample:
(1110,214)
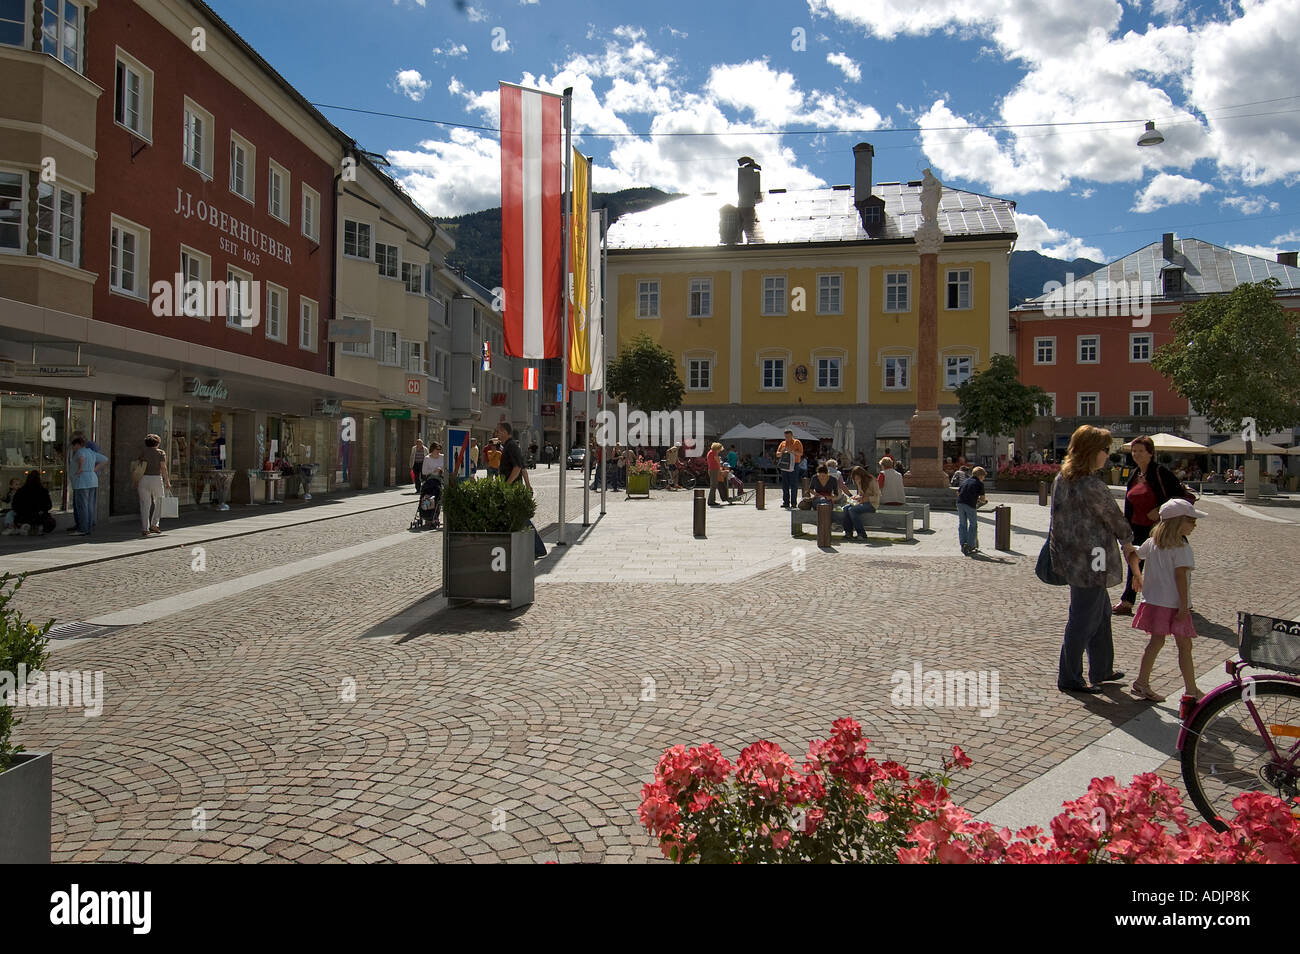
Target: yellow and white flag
(579,316)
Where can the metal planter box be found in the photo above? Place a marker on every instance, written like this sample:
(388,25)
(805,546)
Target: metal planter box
(638,485)
(25,810)
(488,566)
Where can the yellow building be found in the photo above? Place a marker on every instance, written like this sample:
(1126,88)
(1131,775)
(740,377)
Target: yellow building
(801,307)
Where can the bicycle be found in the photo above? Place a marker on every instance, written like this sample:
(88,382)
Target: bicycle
(1244,736)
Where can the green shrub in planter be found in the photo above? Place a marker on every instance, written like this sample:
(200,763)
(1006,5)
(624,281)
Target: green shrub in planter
(487,506)
(21,643)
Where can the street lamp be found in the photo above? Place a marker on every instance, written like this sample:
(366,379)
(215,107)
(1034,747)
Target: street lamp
(1151,136)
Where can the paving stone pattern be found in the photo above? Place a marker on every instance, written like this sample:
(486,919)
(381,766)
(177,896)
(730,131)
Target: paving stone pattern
(230,731)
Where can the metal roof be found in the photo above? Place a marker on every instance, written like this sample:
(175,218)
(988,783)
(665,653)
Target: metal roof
(1207,269)
(811,215)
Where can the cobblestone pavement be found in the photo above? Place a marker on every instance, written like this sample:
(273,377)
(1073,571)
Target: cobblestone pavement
(296,721)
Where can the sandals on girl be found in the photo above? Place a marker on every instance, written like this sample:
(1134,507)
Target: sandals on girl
(1143,691)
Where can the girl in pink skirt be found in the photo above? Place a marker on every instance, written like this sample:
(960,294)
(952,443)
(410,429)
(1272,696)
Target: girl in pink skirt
(1165,609)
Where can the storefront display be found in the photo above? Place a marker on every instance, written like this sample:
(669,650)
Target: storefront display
(197,453)
(34,433)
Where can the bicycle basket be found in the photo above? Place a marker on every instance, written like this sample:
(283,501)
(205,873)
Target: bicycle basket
(1270,643)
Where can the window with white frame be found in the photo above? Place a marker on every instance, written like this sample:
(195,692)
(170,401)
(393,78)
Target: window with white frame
(13,209)
(647,299)
(16,23)
(898,291)
(196,269)
(133,95)
(388,259)
(128,258)
(63,32)
(1045,350)
(386,347)
(828,374)
(774,373)
(1089,349)
(310,213)
(957,371)
(58,223)
(413,356)
(959,285)
(1139,403)
(897,372)
(774,294)
(1139,347)
(241,299)
(356,349)
(1088,403)
(1051,410)
(277,191)
(356,239)
(243,167)
(700,295)
(699,374)
(413,277)
(830,294)
(277,299)
(197,152)
(307,311)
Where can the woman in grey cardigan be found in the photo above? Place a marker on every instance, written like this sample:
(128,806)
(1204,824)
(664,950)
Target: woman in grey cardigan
(1086,523)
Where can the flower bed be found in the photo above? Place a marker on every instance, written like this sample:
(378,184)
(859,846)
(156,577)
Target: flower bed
(1029,473)
(843,806)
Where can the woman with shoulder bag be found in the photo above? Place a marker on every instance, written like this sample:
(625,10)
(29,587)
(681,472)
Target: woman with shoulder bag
(1149,486)
(1086,524)
(152,485)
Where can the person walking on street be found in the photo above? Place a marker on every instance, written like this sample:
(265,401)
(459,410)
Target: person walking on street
(418,453)
(513,471)
(1085,524)
(473,458)
(1149,486)
(969,498)
(152,485)
(433,466)
(492,455)
(670,461)
(789,460)
(86,467)
(714,462)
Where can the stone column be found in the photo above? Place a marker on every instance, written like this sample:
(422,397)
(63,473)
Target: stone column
(926,425)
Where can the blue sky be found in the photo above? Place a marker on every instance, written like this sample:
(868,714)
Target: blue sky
(913,77)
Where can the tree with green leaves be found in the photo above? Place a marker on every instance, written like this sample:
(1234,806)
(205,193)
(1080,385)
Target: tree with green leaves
(644,376)
(995,402)
(1236,356)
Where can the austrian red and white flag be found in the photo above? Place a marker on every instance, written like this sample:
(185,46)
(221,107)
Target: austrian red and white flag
(532,229)
(530,379)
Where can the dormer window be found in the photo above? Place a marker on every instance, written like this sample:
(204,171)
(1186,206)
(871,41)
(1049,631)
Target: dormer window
(1171,280)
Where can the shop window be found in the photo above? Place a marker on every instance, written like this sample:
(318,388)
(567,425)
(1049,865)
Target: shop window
(33,436)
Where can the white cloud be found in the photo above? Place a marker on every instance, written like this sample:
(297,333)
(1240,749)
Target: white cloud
(451,50)
(475,15)
(1165,189)
(410,84)
(1250,205)
(1037,236)
(1079,66)
(850,69)
(740,106)
(1259,251)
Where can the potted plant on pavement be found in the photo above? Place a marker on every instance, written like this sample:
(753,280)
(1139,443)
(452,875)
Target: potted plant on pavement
(640,476)
(488,542)
(25,777)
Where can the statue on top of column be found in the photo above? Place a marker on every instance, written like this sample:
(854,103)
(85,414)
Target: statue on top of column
(931,192)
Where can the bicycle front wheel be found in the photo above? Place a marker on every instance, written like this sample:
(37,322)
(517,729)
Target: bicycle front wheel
(1225,753)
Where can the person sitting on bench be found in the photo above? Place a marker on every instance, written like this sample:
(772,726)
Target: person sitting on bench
(32,505)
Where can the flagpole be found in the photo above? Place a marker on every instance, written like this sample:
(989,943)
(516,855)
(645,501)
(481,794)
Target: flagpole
(604,257)
(586,391)
(567,296)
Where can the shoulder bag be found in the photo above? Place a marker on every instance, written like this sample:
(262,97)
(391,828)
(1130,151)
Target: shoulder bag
(1044,569)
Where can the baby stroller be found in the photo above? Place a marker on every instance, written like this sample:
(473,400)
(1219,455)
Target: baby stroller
(429,506)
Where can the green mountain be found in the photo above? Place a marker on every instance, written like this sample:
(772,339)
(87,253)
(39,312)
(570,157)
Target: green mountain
(478,245)
(478,234)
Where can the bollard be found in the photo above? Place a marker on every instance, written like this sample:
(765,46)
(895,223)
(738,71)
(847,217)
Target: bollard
(823,526)
(700,503)
(760,502)
(1002,527)
(1042,493)
(803,486)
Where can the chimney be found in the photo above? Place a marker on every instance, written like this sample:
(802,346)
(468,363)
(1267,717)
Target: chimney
(1169,246)
(1287,258)
(862,154)
(729,225)
(748,183)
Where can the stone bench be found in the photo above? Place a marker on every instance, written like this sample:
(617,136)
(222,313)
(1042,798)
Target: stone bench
(898,520)
(1218,487)
(921,510)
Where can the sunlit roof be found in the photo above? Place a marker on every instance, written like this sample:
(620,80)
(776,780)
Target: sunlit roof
(811,215)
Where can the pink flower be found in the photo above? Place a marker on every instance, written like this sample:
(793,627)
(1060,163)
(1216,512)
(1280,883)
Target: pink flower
(780,839)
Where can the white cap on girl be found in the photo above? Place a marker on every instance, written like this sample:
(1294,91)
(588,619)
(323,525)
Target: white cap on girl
(1179,507)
